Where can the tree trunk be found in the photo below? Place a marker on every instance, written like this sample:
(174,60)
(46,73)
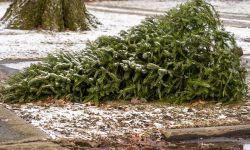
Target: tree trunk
(57,15)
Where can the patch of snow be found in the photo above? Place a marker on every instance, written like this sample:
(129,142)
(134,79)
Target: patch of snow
(246,147)
(158,125)
(240,7)
(157,110)
(241,35)
(3,8)
(222,117)
(160,5)
(122,10)
(236,20)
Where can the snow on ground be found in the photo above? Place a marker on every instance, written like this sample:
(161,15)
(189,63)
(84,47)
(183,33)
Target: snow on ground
(242,36)
(88,122)
(3,8)
(232,6)
(155,5)
(246,147)
(228,6)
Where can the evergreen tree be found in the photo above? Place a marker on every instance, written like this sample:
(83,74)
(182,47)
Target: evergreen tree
(181,56)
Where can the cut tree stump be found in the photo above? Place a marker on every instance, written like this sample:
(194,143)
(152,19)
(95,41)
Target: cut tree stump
(56,15)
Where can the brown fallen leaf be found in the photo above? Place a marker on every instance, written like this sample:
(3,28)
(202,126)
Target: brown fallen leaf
(50,99)
(60,103)
(198,103)
(135,101)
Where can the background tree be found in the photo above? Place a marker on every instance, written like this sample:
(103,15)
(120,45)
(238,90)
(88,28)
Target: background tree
(55,15)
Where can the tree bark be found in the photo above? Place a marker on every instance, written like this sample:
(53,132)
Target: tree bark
(57,15)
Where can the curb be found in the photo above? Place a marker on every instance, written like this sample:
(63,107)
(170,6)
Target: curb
(33,146)
(207,132)
(16,130)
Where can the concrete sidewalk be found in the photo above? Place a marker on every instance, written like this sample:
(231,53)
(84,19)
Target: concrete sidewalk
(16,134)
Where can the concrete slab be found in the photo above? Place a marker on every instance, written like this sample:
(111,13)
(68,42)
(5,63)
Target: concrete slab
(15,130)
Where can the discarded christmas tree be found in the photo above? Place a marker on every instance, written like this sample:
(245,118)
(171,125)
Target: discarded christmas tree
(56,15)
(181,56)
